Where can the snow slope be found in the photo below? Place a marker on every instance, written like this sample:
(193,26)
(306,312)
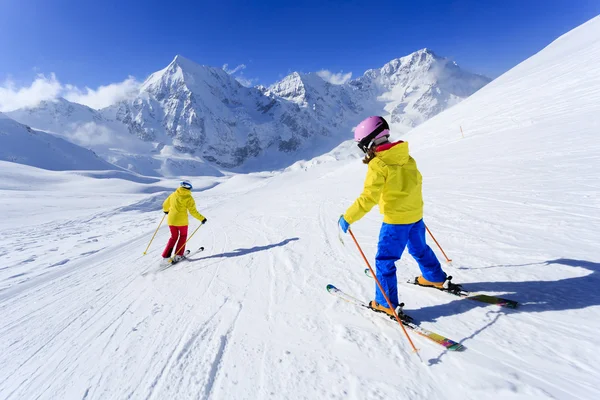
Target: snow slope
(515,204)
(23,145)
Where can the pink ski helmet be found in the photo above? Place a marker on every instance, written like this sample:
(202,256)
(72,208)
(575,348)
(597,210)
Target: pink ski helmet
(369,130)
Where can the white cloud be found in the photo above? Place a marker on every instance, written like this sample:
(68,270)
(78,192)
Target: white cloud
(233,71)
(104,96)
(243,80)
(90,134)
(335,78)
(42,88)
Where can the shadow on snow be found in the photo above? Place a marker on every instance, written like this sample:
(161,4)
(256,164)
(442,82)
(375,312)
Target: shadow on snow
(243,252)
(533,296)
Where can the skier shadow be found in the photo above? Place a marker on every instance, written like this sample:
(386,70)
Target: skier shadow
(243,252)
(533,296)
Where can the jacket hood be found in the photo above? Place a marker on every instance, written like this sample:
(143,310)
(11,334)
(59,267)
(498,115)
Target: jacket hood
(395,155)
(183,191)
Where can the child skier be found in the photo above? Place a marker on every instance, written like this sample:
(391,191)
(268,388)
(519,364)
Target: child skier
(177,206)
(394,182)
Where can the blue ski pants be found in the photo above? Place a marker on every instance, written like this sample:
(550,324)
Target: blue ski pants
(392,241)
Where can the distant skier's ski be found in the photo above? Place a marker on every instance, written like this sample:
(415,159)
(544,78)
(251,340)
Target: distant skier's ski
(457,290)
(406,321)
(166,264)
(185,256)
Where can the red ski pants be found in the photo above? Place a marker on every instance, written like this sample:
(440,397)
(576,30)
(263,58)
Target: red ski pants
(177,240)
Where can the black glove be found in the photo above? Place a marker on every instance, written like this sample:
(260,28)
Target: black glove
(166,212)
(203,221)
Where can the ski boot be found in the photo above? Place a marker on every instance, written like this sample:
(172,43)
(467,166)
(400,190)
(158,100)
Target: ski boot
(419,280)
(446,285)
(375,306)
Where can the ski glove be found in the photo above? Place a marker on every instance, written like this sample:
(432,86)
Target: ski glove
(166,212)
(344,224)
(203,221)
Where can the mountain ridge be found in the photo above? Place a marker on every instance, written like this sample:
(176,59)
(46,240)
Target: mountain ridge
(204,112)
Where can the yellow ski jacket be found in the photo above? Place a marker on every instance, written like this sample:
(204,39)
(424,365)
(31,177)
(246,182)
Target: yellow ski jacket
(394,182)
(178,204)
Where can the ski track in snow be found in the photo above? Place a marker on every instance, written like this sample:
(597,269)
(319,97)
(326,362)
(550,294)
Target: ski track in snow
(85,316)
(249,316)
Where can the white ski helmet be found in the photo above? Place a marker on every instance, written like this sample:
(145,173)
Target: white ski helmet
(186,185)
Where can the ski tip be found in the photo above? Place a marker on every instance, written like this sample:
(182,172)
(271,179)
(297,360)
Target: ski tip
(456,347)
(510,304)
(330,287)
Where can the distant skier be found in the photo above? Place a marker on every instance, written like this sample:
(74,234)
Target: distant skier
(177,206)
(394,182)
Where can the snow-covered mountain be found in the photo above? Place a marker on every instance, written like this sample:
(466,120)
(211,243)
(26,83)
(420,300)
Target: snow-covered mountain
(60,115)
(79,124)
(110,139)
(206,114)
(203,110)
(416,87)
(323,99)
(23,145)
(409,90)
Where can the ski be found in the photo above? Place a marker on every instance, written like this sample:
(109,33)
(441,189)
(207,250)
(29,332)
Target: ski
(166,264)
(458,291)
(186,254)
(405,319)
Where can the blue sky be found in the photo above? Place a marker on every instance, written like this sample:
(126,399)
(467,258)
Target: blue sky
(90,43)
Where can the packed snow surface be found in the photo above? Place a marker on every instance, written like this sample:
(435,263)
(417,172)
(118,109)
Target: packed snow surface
(515,204)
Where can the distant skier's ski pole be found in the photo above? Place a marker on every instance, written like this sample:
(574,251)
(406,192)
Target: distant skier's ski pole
(438,245)
(383,292)
(161,221)
(183,245)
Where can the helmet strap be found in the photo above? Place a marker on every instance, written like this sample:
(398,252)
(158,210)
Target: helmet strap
(379,141)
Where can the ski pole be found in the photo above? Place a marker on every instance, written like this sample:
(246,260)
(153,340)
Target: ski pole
(161,221)
(384,294)
(438,245)
(183,245)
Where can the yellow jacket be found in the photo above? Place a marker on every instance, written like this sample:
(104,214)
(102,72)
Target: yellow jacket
(178,204)
(394,182)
